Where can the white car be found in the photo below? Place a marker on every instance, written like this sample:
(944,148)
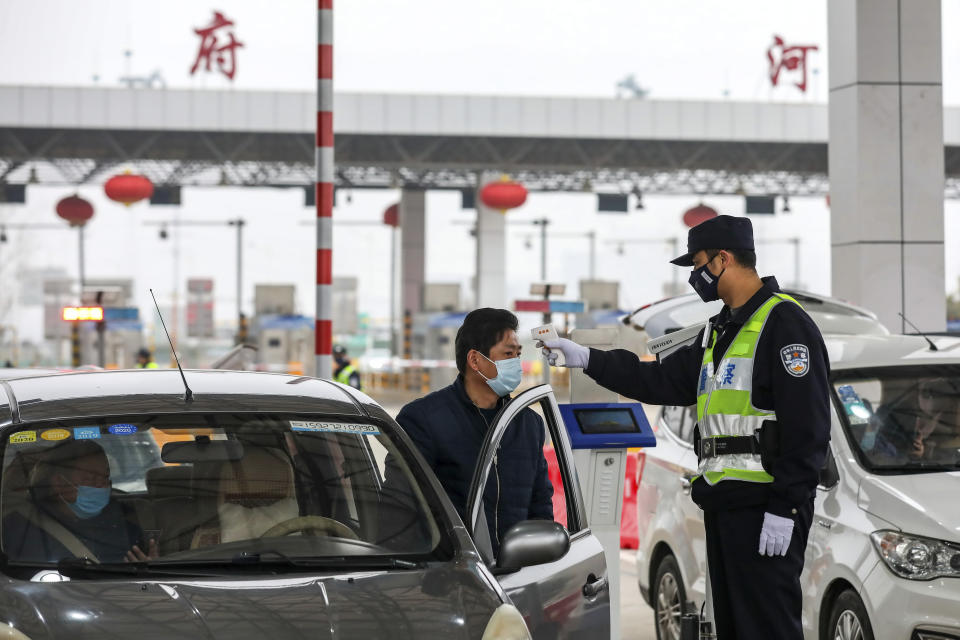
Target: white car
(883,555)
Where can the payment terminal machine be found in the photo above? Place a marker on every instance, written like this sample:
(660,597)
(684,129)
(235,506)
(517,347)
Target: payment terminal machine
(601,431)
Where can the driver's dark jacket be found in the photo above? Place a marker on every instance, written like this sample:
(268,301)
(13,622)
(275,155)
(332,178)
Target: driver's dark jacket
(449,430)
(801,404)
(108,535)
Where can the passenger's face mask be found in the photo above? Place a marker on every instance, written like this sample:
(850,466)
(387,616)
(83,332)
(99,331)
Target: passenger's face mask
(90,501)
(705,283)
(509,373)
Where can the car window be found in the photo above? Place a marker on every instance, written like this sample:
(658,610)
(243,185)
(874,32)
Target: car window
(509,497)
(222,484)
(681,421)
(559,481)
(902,419)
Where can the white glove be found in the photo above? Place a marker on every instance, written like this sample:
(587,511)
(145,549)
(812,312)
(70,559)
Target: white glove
(575,356)
(775,535)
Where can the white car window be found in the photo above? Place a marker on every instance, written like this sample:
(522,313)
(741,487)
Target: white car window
(903,418)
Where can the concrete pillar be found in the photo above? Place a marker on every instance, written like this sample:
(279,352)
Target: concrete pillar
(491,273)
(886,159)
(413,249)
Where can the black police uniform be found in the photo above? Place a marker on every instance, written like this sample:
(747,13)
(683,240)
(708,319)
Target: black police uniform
(754,596)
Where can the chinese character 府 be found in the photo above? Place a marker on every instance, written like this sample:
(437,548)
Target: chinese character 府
(226,56)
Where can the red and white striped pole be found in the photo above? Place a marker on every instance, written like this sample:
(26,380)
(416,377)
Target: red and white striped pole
(324,193)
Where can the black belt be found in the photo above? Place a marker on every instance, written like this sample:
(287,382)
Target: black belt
(728,445)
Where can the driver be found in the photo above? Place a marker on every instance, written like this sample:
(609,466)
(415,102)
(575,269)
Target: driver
(72,512)
(937,429)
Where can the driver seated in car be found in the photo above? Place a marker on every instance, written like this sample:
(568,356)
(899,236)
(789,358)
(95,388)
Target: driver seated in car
(71,512)
(936,433)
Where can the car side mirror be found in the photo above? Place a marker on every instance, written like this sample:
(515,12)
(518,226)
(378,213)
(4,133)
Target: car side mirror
(532,542)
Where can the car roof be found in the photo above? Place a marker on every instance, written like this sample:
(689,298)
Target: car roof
(830,314)
(854,352)
(27,372)
(144,391)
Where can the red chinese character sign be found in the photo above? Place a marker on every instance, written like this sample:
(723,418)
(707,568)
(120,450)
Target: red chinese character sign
(790,57)
(217,44)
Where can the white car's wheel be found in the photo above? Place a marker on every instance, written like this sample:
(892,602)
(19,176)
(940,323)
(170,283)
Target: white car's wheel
(849,619)
(669,597)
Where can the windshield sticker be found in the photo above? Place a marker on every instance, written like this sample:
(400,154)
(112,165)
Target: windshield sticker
(86,433)
(23,437)
(122,429)
(334,427)
(55,434)
(853,406)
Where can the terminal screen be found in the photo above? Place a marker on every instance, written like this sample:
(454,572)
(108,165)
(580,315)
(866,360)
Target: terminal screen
(606,421)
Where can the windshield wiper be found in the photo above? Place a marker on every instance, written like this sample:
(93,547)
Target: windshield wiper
(75,567)
(322,562)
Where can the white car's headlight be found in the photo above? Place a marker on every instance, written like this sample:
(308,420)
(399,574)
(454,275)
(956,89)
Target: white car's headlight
(506,623)
(916,557)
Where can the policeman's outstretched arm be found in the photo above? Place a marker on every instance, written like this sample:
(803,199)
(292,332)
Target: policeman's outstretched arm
(672,381)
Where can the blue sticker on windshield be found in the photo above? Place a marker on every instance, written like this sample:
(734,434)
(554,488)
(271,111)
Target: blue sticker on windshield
(122,429)
(86,433)
(334,427)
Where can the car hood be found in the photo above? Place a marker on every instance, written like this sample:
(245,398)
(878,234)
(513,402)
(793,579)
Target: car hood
(920,503)
(442,602)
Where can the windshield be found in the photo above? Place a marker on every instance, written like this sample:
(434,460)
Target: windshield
(210,488)
(903,419)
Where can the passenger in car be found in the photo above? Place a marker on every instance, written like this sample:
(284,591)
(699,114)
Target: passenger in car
(71,512)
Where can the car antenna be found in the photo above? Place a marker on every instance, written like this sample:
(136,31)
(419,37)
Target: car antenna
(188,396)
(933,347)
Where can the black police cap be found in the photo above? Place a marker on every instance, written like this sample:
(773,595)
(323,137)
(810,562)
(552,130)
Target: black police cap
(722,232)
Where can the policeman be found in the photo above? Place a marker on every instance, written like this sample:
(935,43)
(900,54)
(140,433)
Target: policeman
(145,360)
(346,373)
(758,374)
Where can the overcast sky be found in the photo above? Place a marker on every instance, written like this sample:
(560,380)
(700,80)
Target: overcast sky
(693,49)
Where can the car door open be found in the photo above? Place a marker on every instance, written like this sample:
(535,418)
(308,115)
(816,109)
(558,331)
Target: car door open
(556,575)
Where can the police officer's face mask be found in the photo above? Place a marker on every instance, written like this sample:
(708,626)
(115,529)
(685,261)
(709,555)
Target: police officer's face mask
(705,283)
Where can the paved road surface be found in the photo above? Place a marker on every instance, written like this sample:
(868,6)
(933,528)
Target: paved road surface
(636,616)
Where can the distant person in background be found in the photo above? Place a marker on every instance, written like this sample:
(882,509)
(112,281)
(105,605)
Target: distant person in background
(345,373)
(145,359)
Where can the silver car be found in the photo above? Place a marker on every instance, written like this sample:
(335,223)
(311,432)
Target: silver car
(265,505)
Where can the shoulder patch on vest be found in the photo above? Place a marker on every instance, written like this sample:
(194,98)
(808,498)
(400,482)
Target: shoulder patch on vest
(796,359)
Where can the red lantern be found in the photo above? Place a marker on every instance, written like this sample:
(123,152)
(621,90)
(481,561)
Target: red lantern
(503,195)
(391,216)
(698,214)
(75,210)
(128,188)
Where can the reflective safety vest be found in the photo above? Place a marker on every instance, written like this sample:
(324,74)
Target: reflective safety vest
(724,405)
(149,365)
(344,376)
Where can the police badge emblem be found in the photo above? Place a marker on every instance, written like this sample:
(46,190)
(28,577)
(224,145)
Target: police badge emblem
(796,359)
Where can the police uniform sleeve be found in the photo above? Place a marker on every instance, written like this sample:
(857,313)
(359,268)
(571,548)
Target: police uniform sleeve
(672,381)
(800,374)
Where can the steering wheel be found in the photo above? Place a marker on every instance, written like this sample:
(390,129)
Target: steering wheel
(326,526)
